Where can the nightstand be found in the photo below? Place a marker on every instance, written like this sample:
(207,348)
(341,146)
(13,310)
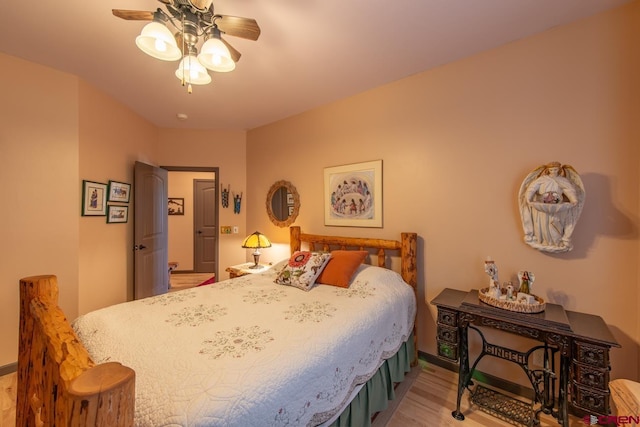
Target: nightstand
(243,269)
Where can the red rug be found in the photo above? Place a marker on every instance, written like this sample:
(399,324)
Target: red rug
(208,281)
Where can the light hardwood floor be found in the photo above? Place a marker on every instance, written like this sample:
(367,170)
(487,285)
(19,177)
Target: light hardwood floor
(8,390)
(427,402)
(432,397)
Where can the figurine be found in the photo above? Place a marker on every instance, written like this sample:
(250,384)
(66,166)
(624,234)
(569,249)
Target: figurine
(526,279)
(551,199)
(492,271)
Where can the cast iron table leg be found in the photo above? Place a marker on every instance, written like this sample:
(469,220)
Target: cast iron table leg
(463,370)
(563,400)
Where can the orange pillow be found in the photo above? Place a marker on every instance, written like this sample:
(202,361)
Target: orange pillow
(341,267)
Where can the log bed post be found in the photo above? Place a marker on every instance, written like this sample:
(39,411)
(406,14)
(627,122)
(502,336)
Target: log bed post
(58,383)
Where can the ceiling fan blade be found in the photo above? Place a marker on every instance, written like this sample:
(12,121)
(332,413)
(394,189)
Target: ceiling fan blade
(245,28)
(133,15)
(235,55)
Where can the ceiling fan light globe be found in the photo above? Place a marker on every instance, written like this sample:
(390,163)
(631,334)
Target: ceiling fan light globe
(157,41)
(193,70)
(215,56)
(160,45)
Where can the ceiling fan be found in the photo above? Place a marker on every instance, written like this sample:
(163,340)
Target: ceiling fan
(193,19)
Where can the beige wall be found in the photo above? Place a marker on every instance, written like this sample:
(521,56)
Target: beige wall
(55,131)
(39,174)
(227,151)
(112,138)
(456,143)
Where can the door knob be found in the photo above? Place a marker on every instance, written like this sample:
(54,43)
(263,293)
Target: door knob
(139,247)
(199,231)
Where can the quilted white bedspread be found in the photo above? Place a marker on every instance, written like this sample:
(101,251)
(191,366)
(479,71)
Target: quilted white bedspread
(248,352)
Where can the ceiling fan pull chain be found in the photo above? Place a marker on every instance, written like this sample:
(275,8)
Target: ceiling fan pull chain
(189,88)
(183,47)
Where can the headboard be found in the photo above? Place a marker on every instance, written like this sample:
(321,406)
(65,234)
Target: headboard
(406,247)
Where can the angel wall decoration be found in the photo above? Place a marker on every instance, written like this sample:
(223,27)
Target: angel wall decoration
(551,198)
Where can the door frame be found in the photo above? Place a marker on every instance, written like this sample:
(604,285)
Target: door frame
(216,172)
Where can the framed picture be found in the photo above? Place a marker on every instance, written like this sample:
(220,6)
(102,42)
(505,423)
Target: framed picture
(176,206)
(119,192)
(94,198)
(117,213)
(353,195)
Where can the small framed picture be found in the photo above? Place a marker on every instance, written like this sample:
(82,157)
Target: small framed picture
(94,198)
(176,206)
(117,213)
(119,192)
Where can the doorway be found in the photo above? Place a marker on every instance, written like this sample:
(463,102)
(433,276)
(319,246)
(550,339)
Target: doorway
(193,232)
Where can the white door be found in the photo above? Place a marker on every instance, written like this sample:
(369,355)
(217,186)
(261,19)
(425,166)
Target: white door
(151,269)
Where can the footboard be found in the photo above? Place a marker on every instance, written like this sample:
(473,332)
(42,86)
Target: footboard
(58,383)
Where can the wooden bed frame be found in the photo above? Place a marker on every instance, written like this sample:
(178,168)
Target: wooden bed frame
(59,384)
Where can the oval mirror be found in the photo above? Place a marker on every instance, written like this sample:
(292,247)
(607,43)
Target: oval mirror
(283,203)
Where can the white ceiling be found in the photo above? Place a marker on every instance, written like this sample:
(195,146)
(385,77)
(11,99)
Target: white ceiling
(310,52)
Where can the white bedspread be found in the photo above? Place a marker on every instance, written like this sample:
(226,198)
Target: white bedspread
(248,352)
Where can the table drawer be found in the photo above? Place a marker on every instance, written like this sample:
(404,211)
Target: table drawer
(448,334)
(589,399)
(447,317)
(448,350)
(591,354)
(590,376)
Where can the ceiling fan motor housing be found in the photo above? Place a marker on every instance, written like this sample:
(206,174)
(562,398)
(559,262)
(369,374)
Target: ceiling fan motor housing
(190,28)
(201,4)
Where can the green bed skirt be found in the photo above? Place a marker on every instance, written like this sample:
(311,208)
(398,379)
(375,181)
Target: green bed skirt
(379,390)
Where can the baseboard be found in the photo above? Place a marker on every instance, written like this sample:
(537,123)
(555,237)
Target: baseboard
(8,369)
(491,380)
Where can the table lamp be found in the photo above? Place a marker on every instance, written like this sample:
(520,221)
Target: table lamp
(256,240)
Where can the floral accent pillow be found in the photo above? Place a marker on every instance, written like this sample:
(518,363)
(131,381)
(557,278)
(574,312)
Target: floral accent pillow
(302,269)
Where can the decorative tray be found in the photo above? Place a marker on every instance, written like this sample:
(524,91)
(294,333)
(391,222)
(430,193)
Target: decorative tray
(511,305)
